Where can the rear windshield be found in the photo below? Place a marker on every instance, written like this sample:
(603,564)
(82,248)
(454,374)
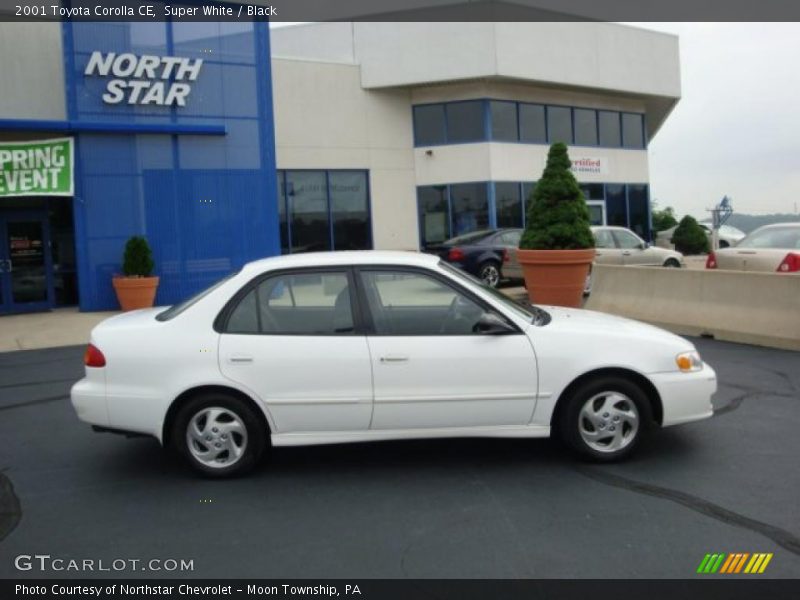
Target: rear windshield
(773,237)
(176,309)
(470,238)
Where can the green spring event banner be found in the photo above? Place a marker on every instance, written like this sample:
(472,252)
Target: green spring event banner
(40,168)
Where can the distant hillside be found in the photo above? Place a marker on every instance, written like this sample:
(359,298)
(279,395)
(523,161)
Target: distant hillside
(748,223)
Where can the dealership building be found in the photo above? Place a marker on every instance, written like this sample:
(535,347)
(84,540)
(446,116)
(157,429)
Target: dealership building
(225,142)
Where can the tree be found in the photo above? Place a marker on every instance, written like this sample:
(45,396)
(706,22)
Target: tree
(137,260)
(664,219)
(558,217)
(689,237)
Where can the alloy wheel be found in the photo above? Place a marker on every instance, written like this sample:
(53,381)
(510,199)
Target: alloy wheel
(216,437)
(608,422)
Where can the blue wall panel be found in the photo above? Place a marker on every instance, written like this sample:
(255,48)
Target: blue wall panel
(207,204)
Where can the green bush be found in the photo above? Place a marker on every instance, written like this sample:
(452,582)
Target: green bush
(558,217)
(137,260)
(689,237)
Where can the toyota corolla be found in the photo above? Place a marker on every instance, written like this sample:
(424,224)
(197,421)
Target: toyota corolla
(367,346)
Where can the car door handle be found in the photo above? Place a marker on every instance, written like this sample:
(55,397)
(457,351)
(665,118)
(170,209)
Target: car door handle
(626,253)
(393,358)
(240,358)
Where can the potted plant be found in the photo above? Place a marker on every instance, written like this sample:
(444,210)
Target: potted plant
(136,287)
(557,247)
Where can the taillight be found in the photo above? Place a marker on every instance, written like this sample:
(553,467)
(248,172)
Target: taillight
(790,264)
(711,261)
(455,255)
(506,257)
(93,357)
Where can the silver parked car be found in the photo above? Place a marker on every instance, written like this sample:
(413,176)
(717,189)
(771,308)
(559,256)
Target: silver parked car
(621,246)
(772,248)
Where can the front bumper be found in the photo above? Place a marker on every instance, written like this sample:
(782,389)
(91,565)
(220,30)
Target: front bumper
(685,397)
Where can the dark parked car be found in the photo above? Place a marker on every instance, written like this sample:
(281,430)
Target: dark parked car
(490,255)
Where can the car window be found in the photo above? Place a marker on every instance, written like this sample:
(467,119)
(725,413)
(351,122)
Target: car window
(296,304)
(603,239)
(474,237)
(775,237)
(409,303)
(510,238)
(626,239)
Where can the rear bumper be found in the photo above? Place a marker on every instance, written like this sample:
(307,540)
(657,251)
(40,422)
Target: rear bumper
(89,401)
(685,397)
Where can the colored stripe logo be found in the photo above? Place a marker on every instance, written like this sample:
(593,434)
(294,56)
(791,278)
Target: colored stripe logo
(737,562)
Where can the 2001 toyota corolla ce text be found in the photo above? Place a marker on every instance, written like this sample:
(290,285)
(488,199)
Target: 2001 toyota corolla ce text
(363,346)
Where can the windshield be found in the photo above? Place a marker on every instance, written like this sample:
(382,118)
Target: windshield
(176,309)
(508,302)
(773,237)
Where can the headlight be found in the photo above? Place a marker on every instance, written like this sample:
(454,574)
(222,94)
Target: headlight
(689,361)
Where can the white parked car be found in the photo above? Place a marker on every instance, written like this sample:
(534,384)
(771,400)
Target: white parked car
(365,346)
(621,246)
(771,248)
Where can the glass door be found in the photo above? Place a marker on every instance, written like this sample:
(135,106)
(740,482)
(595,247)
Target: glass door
(25,282)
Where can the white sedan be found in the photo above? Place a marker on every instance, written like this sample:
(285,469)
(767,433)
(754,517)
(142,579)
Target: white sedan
(366,346)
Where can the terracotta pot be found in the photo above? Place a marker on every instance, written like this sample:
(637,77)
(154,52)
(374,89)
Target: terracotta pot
(556,277)
(135,292)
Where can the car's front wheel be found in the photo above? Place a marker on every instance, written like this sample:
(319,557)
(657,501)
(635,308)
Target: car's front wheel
(489,273)
(221,435)
(672,263)
(605,418)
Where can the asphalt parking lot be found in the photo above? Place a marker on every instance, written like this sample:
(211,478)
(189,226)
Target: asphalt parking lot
(458,508)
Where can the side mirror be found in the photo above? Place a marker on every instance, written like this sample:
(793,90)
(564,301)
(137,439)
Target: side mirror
(490,324)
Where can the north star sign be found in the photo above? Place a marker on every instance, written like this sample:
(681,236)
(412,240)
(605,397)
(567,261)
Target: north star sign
(146,79)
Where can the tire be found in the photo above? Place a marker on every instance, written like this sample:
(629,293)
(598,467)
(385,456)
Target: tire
(210,446)
(605,419)
(672,263)
(489,273)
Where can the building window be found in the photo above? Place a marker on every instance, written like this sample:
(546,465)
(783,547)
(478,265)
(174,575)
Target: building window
(528,187)
(632,130)
(433,214)
(324,210)
(349,210)
(465,122)
(616,205)
(508,204)
(585,127)
(559,124)
(469,208)
(429,125)
(639,211)
(307,196)
(532,128)
(507,121)
(608,124)
(504,121)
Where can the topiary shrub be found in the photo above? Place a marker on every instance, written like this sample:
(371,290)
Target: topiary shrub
(558,217)
(689,237)
(137,261)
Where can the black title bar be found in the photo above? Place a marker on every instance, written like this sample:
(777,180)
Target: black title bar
(399,10)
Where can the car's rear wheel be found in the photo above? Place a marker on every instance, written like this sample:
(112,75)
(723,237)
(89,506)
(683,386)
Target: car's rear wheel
(605,419)
(489,273)
(672,263)
(220,434)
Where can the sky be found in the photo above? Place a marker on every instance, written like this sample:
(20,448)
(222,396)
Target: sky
(736,129)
